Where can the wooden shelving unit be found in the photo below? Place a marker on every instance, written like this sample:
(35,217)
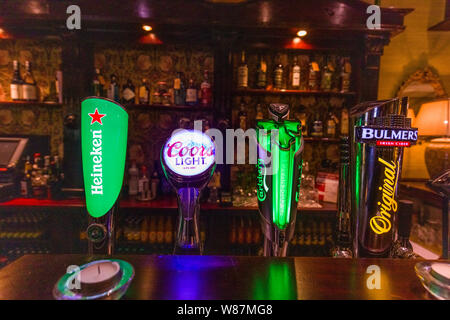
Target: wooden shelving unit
(292,92)
(30,104)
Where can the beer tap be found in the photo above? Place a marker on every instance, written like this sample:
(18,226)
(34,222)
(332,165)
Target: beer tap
(279,165)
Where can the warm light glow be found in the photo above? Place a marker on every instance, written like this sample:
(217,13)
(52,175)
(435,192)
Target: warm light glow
(302,33)
(433,118)
(146,27)
(1,30)
(296,40)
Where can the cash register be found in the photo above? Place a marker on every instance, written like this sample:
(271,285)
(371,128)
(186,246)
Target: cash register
(11,150)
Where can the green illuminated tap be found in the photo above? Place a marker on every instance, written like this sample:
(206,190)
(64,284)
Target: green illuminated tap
(280,146)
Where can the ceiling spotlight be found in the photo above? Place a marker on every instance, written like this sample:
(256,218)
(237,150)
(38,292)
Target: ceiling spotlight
(296,40)
(146,27)
(302,33)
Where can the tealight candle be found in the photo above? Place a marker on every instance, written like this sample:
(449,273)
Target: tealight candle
(441,271)
(100,275)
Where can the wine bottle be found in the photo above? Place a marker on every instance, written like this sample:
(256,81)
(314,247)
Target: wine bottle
(113,89)
(179,90)
(98,84)
(29,84)
(191,94)
(278,74)
(261,80)
(205,91)
(243,72)
(144,92)
(16,83)
(295,75)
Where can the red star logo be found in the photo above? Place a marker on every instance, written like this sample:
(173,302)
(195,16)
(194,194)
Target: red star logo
(96,117)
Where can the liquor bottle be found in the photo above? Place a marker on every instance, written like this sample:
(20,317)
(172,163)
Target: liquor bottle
(278,74)
(295,75)
(344,122)
(402,248)
(261,79)
(113,89)
(144,92)
(191,94)
(332,122)
(179,90)
(25,183)
(59,85)
(303,118)
(259,112)
(345,75)
(52,94)
(205,91)
(29,87)
(98,84)
(343,240)
(242,116)
(325,84)
(16,83)
(133,179)
(242,72)
(143,186)
(233,235)
(128,94)
(155,182)
(317,129)
(313,81)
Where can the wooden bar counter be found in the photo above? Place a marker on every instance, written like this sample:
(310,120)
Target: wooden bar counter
(225,277)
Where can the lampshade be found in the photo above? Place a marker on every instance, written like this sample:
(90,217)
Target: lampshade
(433,118)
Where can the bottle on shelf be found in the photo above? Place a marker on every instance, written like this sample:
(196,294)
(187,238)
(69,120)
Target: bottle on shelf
(261,79)
(16,83)
(327,74)
(303,118)
(205,91)
(152,230)
(345,75)
(295,75)
(144,92)
(53,93)
(128,92)
(242,72)
(313,81)
(242,116)
(25,183)
(29,87)
(278,74)
(332,123)
(160,230)
(133,179)
(155,182)
(179,90)
(402,248)
(168,231)
(113,89)
(98,84)
(191,94)
(317,128)
(144,230)
(344,122)
(143,186)
(259,112)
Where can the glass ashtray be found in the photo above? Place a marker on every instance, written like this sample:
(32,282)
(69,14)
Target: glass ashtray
(112,288)
(435,277)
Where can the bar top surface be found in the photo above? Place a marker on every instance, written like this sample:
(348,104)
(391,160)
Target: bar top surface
(226,277)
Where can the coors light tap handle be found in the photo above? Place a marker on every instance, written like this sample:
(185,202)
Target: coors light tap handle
(380,132)
(104,131)
(188,162)
(280,146)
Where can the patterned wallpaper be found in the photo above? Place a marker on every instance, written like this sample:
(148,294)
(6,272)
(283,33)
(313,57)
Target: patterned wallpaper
(31,119)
